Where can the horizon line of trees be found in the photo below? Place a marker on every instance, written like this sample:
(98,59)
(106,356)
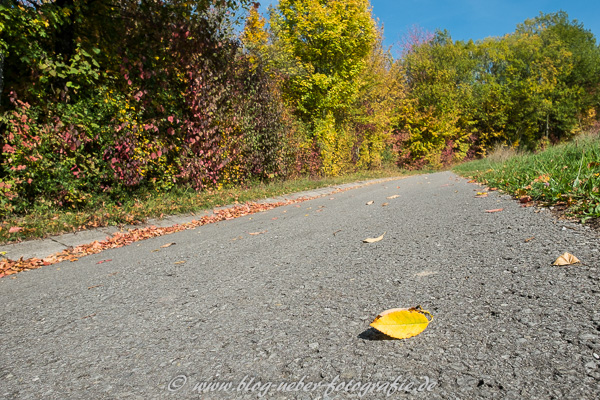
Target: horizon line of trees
(105,98)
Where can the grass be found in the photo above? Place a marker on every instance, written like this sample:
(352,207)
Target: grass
(565,175)
(42,221)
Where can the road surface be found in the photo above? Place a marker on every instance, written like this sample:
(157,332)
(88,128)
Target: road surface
(278,304)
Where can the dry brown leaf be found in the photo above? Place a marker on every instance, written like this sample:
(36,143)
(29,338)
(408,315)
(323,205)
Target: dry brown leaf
(393,197)
(373,240)
(402,323)
(566,259)
(370,202)
(494,210)
(529,239)
(180,262)
(258,233)
(167,245)
(525,199)
(103,261)
(15,229)
(384,204)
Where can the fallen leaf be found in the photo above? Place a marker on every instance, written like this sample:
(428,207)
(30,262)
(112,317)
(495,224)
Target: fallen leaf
(494,210)
(481,195)
(15,229)
(370,202)
(258,233)
(274,218)
(393,197)
(566,259)
(339,230)
(91,287)
(180,262)
(384,204)
(373,240)
(402,323)
(525,199)
(167,245)
(103,261)
(529,239)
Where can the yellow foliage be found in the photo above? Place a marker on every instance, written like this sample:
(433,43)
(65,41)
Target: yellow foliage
(335,144)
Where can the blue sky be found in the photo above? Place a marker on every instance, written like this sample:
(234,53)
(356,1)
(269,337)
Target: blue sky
(472,19)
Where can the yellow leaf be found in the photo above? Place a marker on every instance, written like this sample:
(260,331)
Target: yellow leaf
(373,240)
(394,196)
(402,323)
(566,259)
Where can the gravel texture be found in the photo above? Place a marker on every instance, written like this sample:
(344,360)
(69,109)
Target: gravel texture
(259,313)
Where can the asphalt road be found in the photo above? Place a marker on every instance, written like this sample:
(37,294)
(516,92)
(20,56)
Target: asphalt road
(285,313)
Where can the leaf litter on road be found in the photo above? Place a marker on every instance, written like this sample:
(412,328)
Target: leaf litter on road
(120,239)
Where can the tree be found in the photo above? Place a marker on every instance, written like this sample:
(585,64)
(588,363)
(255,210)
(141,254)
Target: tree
(326,46)
(331,41)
